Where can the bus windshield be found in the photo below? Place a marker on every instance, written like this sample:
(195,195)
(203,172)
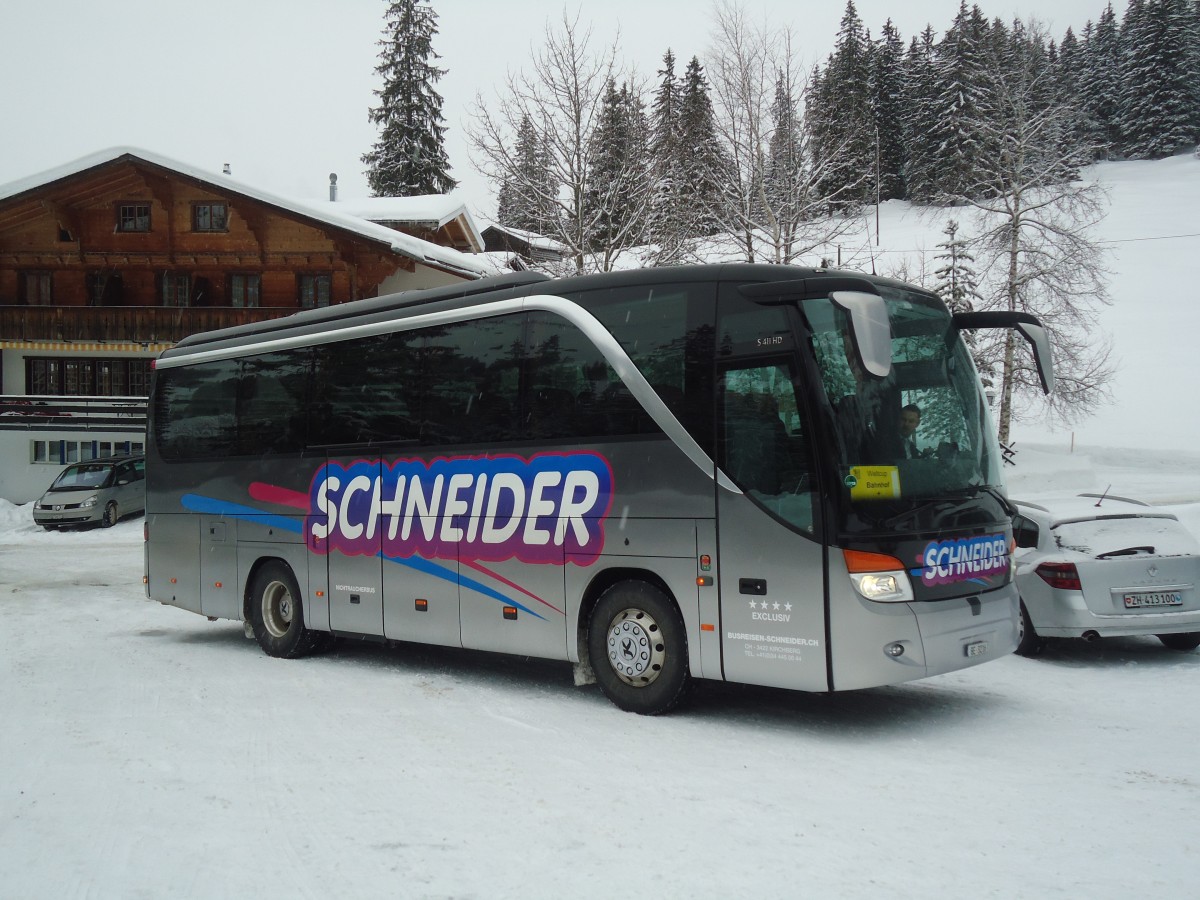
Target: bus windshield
(921,432)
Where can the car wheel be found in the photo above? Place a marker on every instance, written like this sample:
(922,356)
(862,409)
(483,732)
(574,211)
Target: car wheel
(109,519)
(277,613)
(1188,641)
(1028,641)
(638,648)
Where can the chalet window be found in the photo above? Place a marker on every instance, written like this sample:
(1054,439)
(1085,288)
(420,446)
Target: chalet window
(95,377)
(315,290)
(176,289)
(244,290)
(44,376)
(36,288)
(79,377)
(210,217)
(133,217)
(104,288)
(139,378)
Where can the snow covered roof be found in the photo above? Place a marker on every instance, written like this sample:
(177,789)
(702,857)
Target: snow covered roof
(424,252)
(532,238)
(435,209)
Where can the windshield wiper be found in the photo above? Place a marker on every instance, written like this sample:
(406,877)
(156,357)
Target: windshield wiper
(1128,551)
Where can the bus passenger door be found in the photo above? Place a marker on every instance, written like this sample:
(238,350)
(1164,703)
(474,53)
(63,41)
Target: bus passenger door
(355,573)
(771,572)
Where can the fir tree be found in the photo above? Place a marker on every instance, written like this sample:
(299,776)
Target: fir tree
(620,172)
(526,197)
(1157,116)
(844,142)
(956,281)
(1100,86)
(668,227)
(920,118)
(706,168)
(887,101)
(1193,30)
(962,102)
(784,181)
(1068,86)
(410,157)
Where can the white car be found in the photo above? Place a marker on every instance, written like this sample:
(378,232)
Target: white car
(1096,566)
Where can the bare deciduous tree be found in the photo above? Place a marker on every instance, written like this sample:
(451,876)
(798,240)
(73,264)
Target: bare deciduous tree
(771,191)
(1036,249)
(562,98)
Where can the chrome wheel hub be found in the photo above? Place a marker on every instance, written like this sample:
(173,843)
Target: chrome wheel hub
(635,647)
(277,608)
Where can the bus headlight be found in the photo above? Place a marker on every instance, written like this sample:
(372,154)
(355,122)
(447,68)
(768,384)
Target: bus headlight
(878,577)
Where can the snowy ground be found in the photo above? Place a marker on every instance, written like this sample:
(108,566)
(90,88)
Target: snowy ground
(150,753)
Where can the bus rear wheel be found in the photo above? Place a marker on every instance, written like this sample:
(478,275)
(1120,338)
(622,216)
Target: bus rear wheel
(277,613)
(638,648)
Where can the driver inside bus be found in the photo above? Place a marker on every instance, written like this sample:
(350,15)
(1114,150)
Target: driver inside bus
(910,421)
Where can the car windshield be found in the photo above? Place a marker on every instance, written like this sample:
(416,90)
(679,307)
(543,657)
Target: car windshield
(83,476)
(921,432)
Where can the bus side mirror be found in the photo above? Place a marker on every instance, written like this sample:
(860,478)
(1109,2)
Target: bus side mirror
(1027,326)
(871,328)
(1040,341)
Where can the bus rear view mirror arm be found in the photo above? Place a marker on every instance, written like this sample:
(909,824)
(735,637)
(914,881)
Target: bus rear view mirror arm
(1027,326)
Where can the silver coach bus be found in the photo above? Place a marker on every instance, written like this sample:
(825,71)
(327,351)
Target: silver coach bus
(657,475)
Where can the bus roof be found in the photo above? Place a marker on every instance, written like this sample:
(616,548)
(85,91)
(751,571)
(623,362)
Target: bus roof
(315,321)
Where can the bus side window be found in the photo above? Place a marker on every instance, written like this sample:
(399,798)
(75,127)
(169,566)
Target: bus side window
(572,391)
(470,378)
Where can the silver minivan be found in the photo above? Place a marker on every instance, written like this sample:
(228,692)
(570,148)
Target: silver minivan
(99,490)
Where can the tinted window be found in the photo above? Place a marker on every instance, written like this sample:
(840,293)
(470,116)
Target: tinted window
(272,402)
(195,410)
(572,391)
(667,331)
(471,374)
(363,391)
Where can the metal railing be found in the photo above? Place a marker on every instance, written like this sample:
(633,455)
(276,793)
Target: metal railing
(128,324)
(83,414)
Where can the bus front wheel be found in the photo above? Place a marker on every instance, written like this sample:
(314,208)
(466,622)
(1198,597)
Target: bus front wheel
(277,613)
(638,648)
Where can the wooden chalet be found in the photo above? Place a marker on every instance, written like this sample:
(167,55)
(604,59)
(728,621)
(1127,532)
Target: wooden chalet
(108,261)
(530,248)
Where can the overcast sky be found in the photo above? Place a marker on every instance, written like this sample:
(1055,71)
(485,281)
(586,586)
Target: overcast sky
(280,89)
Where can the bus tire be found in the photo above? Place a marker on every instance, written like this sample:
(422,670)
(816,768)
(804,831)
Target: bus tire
(277,613)
(1029,642)
(638,648)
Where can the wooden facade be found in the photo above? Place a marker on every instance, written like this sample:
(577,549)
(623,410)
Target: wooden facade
(126,253)
(117,234)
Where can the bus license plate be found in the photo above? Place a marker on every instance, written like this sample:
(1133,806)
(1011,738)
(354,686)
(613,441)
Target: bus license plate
(978,648)
(1141,600)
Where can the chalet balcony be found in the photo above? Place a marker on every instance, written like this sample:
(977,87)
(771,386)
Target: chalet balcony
(118,324)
